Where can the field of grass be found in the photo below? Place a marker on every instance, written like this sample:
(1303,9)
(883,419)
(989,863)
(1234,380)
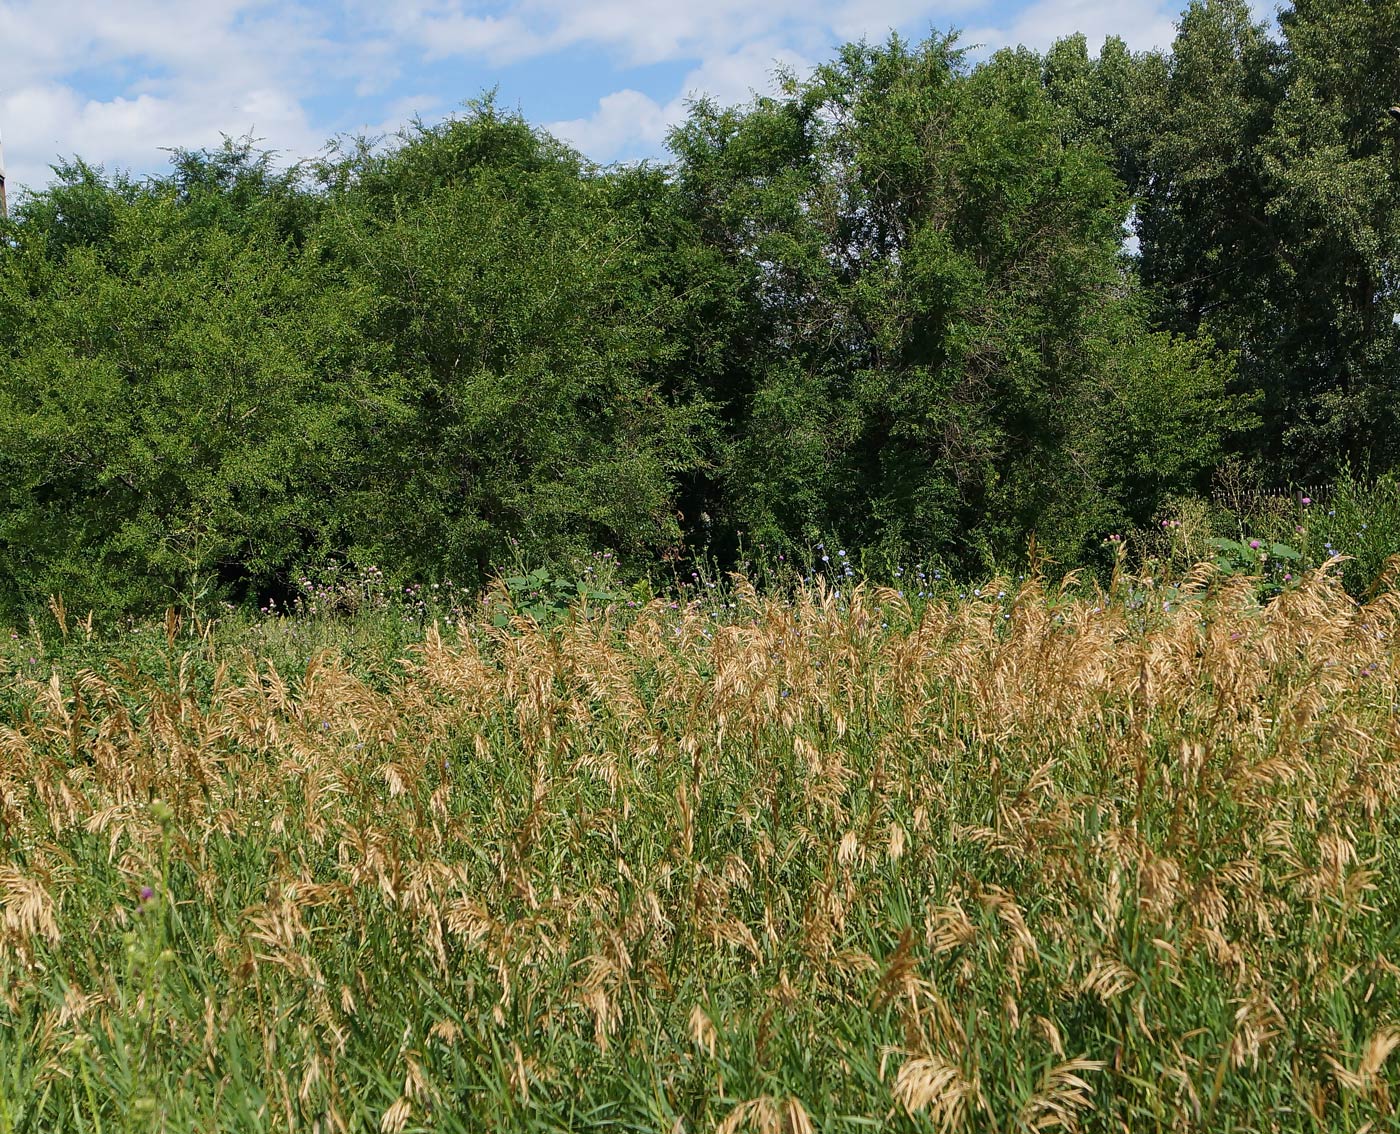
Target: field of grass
(1017,861)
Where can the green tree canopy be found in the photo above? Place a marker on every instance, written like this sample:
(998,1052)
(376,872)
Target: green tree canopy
(1265,173)
(931,260)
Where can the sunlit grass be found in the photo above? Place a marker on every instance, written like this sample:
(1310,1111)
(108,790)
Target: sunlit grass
(1022,861)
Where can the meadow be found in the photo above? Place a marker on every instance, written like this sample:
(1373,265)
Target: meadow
(1032,857)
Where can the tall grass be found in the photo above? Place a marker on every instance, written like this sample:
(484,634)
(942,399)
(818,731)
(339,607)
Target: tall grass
(1024,861)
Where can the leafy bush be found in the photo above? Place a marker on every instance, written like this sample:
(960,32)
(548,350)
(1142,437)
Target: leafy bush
(1275,563)
(547,599)
(1360,520)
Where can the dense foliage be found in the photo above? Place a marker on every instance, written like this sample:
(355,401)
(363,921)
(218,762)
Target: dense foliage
(891,306)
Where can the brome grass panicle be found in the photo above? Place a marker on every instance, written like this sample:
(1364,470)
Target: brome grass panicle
(1033,859)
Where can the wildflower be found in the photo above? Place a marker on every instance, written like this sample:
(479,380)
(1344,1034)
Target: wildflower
(1306,501)
(1254,543)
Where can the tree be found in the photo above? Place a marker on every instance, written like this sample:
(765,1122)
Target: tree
(930,256)
(1332,171)
(178,407)
(1266,180)
(521,354)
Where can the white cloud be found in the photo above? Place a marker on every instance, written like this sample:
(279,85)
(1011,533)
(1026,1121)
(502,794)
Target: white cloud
(872,20)
(52,121)
(1142,24)
(628,123)
(169,75)
(736,76)
(639,34)
(441,31)
(651,34)
(735,45)
(624,122)
(116,80)
(48,38)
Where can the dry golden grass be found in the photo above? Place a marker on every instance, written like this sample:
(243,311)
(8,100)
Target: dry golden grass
(1040,863)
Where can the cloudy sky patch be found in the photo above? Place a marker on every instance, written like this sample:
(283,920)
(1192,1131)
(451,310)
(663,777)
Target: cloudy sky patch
(116,83)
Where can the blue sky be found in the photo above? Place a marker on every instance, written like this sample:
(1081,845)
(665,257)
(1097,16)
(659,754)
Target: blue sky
(114,81)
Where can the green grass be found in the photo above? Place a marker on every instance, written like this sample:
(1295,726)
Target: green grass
(842,864)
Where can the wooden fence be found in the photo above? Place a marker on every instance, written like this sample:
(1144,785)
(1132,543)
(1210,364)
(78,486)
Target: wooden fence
(1238,499)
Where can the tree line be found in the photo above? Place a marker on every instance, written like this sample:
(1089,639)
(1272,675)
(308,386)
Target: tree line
(920,305)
